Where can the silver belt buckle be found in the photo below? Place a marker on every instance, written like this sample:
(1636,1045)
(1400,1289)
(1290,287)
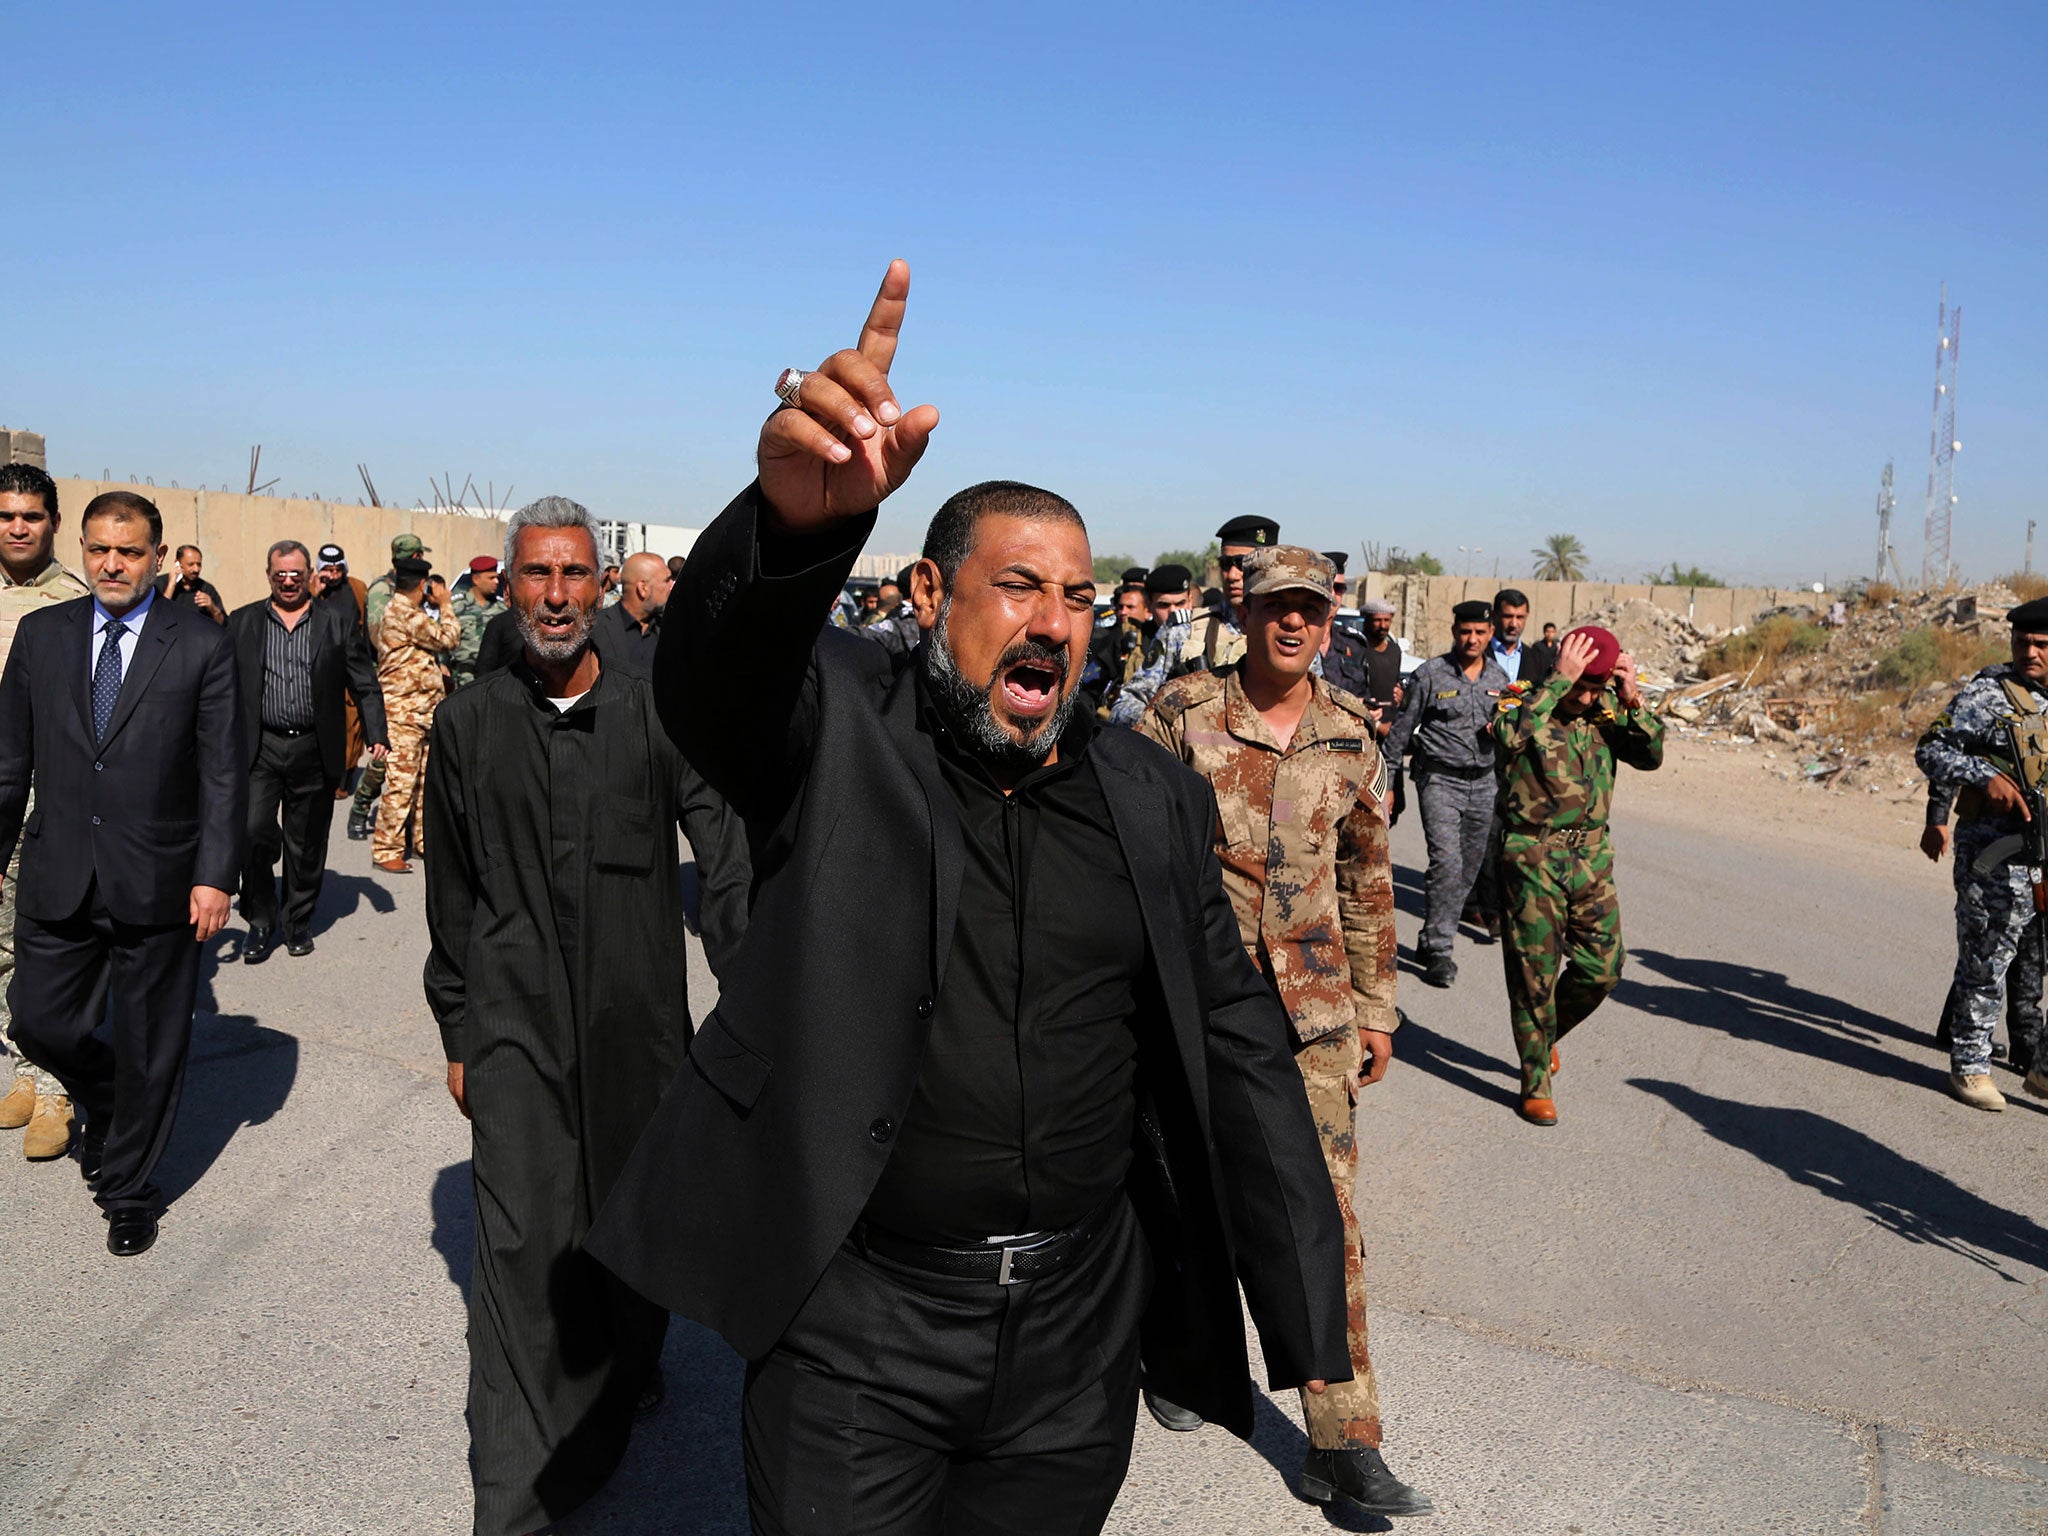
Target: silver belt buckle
(1003,1271)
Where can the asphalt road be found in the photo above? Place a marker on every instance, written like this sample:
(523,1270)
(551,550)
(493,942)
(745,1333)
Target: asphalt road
(1763,1277)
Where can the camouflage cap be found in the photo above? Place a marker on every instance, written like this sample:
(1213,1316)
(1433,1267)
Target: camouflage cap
(407,546)
(1288,566)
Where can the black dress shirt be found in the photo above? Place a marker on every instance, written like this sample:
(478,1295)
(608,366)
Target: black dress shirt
(625,644)
(1383,672)
(178,590)
(1022,1116)
(287,672)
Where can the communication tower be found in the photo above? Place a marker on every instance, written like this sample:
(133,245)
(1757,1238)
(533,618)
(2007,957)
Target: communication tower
(1886,502)
(1942,447)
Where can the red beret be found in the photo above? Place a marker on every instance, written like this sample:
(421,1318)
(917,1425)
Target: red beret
(1606,651)
(484,563)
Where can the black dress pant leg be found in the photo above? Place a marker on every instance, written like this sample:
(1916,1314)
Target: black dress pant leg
(259,869)
(155,981)
(308,818)
(904,1404)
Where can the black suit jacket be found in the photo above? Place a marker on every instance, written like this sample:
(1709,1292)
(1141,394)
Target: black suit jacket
(341,663)
(158,807)
(766,1148)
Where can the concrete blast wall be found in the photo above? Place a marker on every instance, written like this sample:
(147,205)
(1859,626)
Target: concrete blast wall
(1423,604)
(235,532)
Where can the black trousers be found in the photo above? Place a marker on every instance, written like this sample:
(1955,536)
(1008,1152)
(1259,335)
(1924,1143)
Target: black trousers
(288,777)
(901,1403)
(64,973)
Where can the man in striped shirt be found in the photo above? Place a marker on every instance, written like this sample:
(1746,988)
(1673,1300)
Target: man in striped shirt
(296,658)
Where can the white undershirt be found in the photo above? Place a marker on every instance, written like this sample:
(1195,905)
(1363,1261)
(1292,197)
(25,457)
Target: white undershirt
(563,706)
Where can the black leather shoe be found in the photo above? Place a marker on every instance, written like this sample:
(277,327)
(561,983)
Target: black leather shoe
(300,943)
(358,827)
(257,947)
(91,1153)
(1438,970)
(1170,1414)
(1358,1477)
(130,1233)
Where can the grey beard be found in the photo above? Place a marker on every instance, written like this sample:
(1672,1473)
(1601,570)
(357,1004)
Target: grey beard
(969,708)
(568,648)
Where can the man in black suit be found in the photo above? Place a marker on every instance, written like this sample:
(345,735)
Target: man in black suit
(297,660)
(122,709)
(187,586)
(1522,661)
(1068,1114)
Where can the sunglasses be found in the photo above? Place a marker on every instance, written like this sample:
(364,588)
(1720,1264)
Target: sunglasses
(1230,562)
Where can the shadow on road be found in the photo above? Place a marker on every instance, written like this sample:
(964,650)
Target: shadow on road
(1457,1063)
(1280,1440)
(683,1470)
(1898,1194)
(239,1073)
(341,895)
(454,1202)
(1409,892)
(1753,1004)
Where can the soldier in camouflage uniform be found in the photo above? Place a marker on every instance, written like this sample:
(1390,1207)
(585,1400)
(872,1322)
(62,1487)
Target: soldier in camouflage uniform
(1302,838)
(410,644)
(1971,745)
(406,546)
(1559,741)
(30,578)
(474,606)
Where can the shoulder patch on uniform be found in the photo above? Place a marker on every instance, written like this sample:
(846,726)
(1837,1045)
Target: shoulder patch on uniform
(1186,691)
(1350,703)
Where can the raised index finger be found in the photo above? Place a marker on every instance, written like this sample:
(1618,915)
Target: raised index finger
(885,321)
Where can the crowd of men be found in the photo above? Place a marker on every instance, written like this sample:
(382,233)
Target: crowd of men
(1137,971)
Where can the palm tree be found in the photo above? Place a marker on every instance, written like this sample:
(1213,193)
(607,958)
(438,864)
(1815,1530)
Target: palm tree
(1562,558)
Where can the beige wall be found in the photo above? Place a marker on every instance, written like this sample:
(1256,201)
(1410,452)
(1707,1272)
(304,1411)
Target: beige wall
(1423,604)
(235,531)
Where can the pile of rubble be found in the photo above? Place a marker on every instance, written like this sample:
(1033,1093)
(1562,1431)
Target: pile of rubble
(1807,709)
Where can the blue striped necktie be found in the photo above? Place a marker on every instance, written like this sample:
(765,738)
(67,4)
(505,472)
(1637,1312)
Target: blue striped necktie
(106,678)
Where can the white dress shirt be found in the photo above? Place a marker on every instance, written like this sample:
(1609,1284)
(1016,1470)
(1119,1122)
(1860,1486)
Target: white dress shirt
(133,619)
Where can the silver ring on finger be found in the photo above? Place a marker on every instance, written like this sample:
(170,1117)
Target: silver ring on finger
(790,385)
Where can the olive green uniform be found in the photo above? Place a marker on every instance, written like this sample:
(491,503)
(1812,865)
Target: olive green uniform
(1561,919)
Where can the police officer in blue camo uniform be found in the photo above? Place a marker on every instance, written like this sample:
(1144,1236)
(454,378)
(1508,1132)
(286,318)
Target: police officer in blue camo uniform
(1991,740)
(1206,638)
(2022,982)
(1445,724)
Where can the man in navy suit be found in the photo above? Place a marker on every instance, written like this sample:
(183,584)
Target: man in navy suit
(123,710)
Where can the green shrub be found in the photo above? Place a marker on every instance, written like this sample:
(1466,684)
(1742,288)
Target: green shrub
(1928,655)
(1766,646)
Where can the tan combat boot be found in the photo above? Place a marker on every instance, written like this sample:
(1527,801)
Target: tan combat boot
(19,1104)
(1976,1090)
(49,1129)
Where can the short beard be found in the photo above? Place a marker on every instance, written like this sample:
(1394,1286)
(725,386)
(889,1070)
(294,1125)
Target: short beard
(969,708)
(568,648)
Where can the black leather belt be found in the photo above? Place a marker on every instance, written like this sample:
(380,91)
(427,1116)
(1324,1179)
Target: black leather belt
(1456,770)
(278,730)
(1030,1256)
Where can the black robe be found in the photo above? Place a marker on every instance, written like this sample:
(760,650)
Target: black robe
(556,917)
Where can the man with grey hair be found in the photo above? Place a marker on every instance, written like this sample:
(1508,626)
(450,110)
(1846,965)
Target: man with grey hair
(554,911)
(297,661)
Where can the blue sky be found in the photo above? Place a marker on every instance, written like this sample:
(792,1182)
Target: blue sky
(1426,276)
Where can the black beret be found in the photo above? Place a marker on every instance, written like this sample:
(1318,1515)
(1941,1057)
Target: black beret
(2032,618)
(1167,578)
(1336,557)
(1258,532)
(1135,576)
(1474,612)
(410,568)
